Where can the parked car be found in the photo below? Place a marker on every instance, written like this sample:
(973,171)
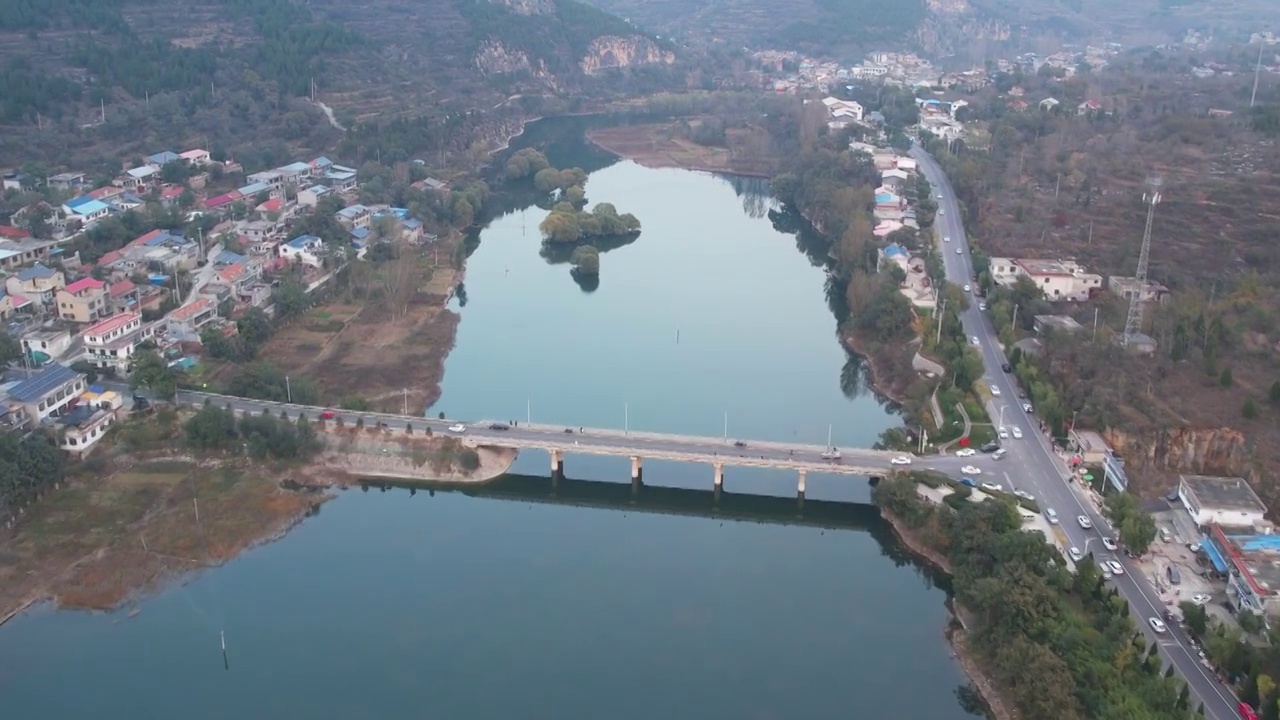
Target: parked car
(970,470)
(990,447)
(1109,544)
(499,426)
(969,481)
(1025,495)
(995,391)
(1026,407)
(328,415)
(1084,521)
(1175,577)
(457,428)
(993,487)
(1201,598)
(999,454)
(974,339)
(1116,567)
(1007,367)
(1165,535)
(1076,554)
(1246,711)
(1157,624)
(958,252)
(1003,433)
(946,238)
(982,306)
(966,452)
(900,460)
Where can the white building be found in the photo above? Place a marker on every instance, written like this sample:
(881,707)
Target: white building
(83,427)
(111,343)
(1227,501)
(48,391)
(306,249)
(1057,279)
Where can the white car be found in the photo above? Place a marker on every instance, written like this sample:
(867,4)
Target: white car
(995,391)
(1076,554)
(1115,567)
(1051,515)
(1109,544)
(1201,599)
(975,340)
(982,306)
(1004,434)
(1026,408)
(900,460)
(970,470)
(966,452)
(961,252)
(993,487)
(1017,433)
(1106,572)
(946,238)
(1084,521)
(939,197)
(967,288)
(1025,495)
(458,428)
(1157,624)
(940,213)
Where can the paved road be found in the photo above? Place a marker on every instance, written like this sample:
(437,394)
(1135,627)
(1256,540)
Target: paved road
(1033,466)
(607,441)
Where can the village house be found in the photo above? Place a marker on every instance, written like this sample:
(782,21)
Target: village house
(167,249)
(37,283)
(49,391)
(124,296)
(341,179)
(83,301)
(1057,279)
(111,343)
(310,196)
(10,305)
(354,216)
(306,249)
(196,157)
(84,426)
(186,321)
(18,252)
(52,340)
(1127,287)
(85,209)
(67,181)
(137,178)
(893,178)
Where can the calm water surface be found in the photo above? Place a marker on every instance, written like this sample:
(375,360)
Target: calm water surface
(500,604)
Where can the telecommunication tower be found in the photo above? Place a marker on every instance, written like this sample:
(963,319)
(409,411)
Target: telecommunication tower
(1133,323)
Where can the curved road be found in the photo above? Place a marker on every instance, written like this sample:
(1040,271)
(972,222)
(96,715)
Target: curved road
(1033,466)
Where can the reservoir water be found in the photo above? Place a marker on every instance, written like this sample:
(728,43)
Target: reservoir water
(579,602)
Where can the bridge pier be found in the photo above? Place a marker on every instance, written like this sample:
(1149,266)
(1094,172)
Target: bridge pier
(557,463)
(804,474)
(719,475)
(637,472)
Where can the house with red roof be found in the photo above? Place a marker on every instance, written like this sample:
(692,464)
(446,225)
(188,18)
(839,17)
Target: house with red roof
(124,295)
(83,301)
(8,232)
(221,201)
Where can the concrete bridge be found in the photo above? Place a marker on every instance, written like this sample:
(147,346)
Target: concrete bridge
(557,441)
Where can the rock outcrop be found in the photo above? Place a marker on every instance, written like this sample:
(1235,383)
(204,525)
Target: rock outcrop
(494,58)
(612,51)
(1156,455)
(527,7)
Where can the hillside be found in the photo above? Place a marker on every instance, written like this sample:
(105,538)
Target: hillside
(232,73)
(972,30)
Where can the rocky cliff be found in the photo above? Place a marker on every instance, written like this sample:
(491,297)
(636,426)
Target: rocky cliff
(527,7)
(612,51)
(1153,456)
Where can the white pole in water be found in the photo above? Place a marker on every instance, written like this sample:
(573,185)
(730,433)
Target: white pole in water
(726,427)
(829,445)
(626,418)
(528,411)
(223,633)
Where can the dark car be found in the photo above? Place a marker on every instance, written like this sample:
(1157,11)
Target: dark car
(499,426)
(739,444)
(990,447)
(1007,367)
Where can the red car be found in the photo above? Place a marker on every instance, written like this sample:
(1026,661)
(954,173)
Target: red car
(328,415)
(1246,711)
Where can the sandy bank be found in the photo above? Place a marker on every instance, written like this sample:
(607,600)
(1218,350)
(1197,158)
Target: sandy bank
(353,454)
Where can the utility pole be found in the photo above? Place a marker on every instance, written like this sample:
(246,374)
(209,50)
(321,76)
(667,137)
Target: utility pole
(1095,325)
(1090,241)
(942,314)
(288,392)
(406,396)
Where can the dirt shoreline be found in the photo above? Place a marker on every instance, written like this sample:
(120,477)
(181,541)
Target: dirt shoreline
(957,635)
(623,141)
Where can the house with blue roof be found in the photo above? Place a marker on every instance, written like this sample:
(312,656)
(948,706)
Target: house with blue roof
(86,209)
(48,392)
(163,158)
(341,180)
(37,283)
(306,249)
(226,257)
(310,197)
